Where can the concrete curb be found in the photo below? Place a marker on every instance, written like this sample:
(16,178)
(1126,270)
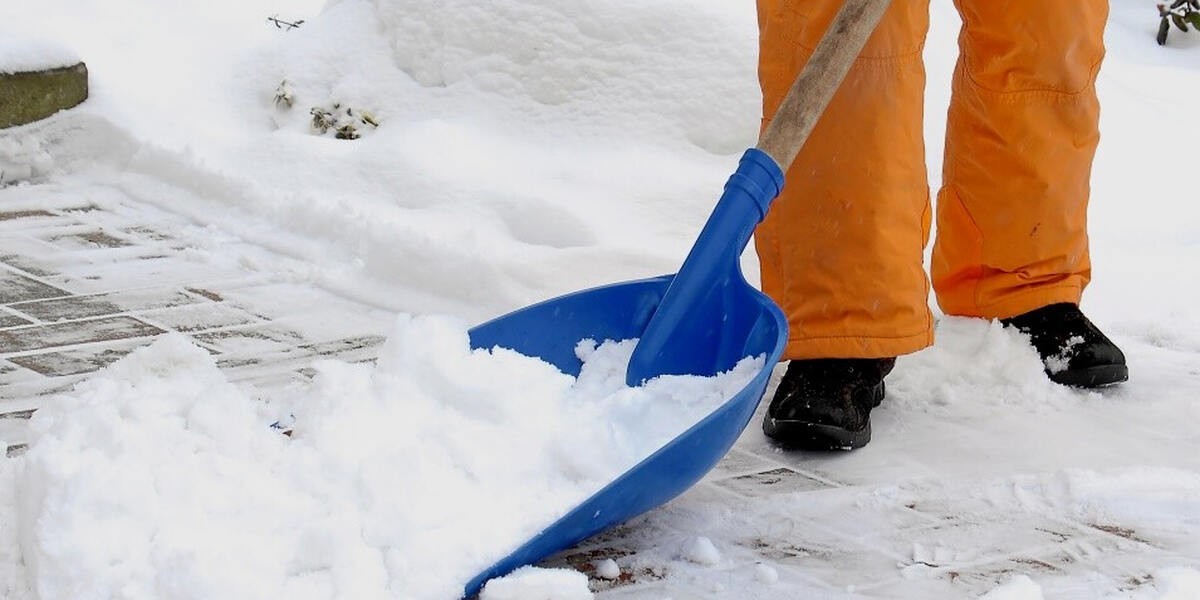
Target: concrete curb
(32,95)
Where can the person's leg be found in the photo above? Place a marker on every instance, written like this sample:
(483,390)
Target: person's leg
(1021,134)
(1012,216)
(841,249)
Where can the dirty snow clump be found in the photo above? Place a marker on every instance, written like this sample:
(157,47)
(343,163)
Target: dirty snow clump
(608,569)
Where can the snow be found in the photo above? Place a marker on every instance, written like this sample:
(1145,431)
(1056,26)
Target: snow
(12,572)
(608,569)
(976,363)
(531,148)
(21,51)
(1058,363)
(390,483)
(1177,583)
(565,146)
(765,573)
(1020,587)
(533,583)
(702,552)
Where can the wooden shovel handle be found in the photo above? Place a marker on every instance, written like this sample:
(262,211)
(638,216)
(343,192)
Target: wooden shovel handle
(815,85)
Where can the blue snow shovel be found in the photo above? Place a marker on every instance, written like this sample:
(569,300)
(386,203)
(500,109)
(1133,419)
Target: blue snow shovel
(700,321)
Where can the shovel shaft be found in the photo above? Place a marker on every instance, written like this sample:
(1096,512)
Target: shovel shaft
(822,74)
(689,320)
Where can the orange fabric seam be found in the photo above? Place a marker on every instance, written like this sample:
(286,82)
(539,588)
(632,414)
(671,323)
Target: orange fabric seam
(1010,297)
(1048,93)
(878,62)
(923,331)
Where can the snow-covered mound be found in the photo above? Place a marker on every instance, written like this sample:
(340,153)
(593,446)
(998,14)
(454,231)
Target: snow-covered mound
(559,70)
(525,148)
(160,479)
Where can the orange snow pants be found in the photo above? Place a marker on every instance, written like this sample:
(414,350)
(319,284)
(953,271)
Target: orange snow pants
(841,250)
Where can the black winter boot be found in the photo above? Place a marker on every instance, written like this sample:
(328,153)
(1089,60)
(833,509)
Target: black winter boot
(1073,350)
(825,404)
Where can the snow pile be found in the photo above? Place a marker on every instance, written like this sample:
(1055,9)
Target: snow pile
(608,569)
(976,363)
(702,552)
(525,148)
(533,583)
(1020,587)
(513,131)
(20,51)
(159,478)
(764,573)
(1177,583)
(670,71)
(12,575)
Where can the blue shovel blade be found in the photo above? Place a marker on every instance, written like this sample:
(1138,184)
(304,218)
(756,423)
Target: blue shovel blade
(700,321)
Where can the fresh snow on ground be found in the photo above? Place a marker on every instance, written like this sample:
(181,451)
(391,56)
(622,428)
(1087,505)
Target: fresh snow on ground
(531,147)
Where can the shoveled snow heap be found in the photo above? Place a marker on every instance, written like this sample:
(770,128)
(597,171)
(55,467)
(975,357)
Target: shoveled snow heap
(160,479)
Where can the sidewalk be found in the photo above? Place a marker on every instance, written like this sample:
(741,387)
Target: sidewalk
(84,280)
(87,275)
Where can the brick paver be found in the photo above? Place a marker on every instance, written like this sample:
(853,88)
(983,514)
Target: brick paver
(86,280)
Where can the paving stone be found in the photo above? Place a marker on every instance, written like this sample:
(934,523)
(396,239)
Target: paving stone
(17,415)
(87,240)
(80,208)
(959,544)
(200,317)
(656,592)
(36,225)
(23,214)
(211,295)
(64,334)
(738,462)
(32,393)
(25,221)
(586,560)
(29,265)
(147,233)
(781,480)
(344,346)
(137,272)
(251,341)
(75,361)
(269,382)
(81,307)
(8,319)
(818,553)
(15,287)
(11,373)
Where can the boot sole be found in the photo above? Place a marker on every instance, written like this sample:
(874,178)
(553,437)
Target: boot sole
(1092,377)
(805,435)
(801,435)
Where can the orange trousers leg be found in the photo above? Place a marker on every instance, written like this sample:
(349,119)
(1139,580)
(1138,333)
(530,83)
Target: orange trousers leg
(842,246)
(1021,135)
(841,249)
